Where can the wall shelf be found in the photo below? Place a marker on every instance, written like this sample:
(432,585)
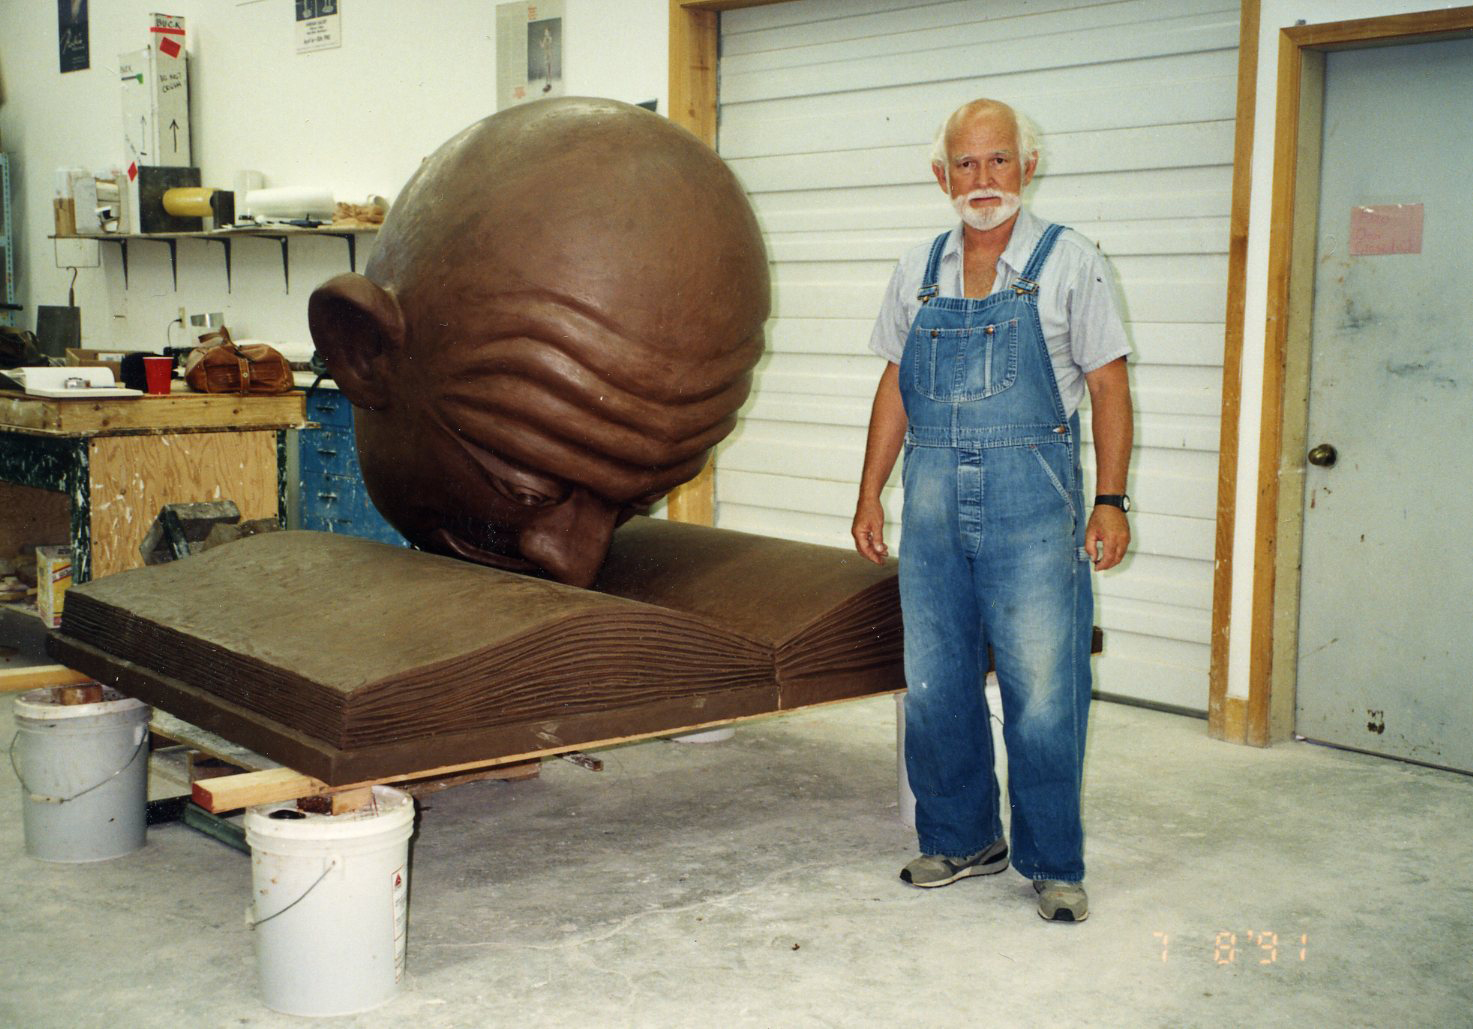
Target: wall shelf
(282,234)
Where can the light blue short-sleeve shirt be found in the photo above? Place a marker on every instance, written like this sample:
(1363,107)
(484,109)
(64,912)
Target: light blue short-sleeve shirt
(1076,301)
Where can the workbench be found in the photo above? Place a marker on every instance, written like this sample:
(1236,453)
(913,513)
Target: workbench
(94,472)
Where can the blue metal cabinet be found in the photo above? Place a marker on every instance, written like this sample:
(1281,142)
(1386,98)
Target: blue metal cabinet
(330,484)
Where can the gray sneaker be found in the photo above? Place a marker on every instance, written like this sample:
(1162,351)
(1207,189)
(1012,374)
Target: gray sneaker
(931,870)
(1061,901)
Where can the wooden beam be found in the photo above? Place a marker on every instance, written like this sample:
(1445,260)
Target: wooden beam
(1271,423)
(1388,30)
(32,677)
(694,45)
(278,785)
(1232,369)
(693,49)
(248,789)
(726,5)
(696,500)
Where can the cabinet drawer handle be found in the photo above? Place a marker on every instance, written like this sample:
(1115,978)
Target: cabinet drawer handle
(327,496)
(327,453)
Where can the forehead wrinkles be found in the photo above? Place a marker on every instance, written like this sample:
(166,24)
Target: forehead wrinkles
(659,371)
(569,459)
(516,385)
(567,400)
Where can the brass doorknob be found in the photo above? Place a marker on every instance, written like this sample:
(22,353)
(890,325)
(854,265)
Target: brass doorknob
(1323,455)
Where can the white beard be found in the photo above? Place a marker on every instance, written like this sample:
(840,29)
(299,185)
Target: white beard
(984,218)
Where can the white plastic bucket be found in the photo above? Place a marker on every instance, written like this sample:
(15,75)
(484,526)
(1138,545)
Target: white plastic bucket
(330,903)
(83,770)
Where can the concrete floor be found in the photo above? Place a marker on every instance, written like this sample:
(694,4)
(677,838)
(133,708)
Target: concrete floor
(753,883)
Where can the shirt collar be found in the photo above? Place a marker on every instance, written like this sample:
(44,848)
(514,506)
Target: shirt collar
(1027,231)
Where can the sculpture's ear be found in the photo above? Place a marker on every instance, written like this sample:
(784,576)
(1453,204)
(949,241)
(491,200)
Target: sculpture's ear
(356,325)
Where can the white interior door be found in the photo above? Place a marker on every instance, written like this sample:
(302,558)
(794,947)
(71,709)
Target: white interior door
(1385,633)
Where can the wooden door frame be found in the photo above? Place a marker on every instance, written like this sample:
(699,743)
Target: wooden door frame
(1267,715)
(694,47)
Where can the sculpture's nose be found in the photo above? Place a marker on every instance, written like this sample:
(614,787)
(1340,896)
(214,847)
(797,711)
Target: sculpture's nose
(569,540)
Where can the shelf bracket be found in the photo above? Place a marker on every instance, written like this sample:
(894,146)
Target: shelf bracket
(286,275)
(122,254)
(172,243)
(352,241)
(224,242)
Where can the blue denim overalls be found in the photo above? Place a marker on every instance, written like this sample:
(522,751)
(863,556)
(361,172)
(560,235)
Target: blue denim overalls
(992,553)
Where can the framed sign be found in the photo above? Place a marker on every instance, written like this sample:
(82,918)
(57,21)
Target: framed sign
(71,35)
(529,52)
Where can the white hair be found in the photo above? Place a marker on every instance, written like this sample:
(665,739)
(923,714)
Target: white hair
(1027,134)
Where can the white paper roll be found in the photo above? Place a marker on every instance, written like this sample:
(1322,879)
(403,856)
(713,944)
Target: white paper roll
(290,202)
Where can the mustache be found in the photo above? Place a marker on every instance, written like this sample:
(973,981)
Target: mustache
(987,194)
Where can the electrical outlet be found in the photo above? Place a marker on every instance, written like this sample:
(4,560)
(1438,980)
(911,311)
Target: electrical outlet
(183,317)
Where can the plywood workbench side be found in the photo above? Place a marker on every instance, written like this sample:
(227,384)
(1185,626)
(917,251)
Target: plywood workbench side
(132,477)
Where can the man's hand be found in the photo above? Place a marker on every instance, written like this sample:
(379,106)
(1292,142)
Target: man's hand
(881,448)
(868,531)
(1106,537)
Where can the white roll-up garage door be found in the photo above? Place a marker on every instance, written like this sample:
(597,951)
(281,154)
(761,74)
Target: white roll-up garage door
(827,111)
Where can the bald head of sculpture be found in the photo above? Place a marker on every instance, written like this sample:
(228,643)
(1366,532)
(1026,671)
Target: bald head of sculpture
(559,321)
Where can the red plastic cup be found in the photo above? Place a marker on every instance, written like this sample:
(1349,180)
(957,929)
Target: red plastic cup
(157,374)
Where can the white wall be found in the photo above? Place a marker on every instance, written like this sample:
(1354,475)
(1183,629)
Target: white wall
(1275,15)
(356,120)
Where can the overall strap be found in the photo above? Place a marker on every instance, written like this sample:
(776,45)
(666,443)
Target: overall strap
(929,281)
(1027,283)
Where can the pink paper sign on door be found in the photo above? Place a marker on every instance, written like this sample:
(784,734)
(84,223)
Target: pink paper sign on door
(1385,229)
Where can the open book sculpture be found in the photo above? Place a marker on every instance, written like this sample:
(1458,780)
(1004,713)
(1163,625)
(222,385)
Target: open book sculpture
(351,660)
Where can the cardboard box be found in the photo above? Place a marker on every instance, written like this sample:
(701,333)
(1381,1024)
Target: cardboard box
(81,357)
(53,577)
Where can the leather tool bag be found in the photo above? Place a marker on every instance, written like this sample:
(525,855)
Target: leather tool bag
(219,365)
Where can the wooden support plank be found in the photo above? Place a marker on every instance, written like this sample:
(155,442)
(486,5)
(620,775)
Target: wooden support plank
(267,786)
(217,747)
(32,677)
(277,785)
(503,773)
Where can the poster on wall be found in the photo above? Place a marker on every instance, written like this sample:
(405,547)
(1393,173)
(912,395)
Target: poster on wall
(529,52)
(319,25)
(71,34)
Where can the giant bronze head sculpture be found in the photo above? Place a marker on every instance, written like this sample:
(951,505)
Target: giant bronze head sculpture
(559,320)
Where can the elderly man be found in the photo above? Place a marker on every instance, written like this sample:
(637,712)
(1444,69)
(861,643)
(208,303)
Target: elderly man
(993,333)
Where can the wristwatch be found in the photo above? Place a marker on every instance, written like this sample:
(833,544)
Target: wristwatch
(1120,500)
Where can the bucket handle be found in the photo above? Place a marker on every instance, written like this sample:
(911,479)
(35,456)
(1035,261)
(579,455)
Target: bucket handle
(252,923)
(40,798)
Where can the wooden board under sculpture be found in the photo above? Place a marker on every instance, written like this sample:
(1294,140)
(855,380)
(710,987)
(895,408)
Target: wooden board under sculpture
(352,660)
